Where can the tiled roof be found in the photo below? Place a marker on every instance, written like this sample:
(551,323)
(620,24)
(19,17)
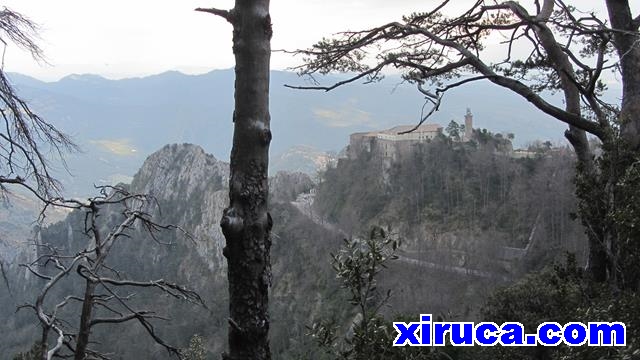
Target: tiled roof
(424,128)
(429,128)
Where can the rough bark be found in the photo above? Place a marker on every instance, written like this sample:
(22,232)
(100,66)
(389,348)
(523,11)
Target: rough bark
(626,42)
(628,47)
(598,259)
(246,223)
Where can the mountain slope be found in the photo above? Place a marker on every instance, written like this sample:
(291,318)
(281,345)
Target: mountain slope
(190,187)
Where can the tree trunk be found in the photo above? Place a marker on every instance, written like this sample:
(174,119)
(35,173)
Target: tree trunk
(246,224)
(598,261)
(626,43)
(44,344)
(620,156)
(85,322)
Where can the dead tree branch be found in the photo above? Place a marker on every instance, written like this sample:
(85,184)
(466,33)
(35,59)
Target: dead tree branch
(225,14)
(25,137)
(89,263)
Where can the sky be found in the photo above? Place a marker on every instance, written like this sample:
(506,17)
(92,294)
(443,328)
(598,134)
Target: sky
(126,38)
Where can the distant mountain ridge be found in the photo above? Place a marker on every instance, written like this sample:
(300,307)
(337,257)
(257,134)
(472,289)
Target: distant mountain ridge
(302,158)
(119,122)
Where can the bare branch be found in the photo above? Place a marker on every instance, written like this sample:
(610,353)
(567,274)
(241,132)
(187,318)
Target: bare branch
(41,276)
(21,31)
(434,99)
(52,281)
(367,73)
(59,342)
(172,289)
(225,14)
(49,322)
(145,314)
(145,323)
(24,133)
(133,209)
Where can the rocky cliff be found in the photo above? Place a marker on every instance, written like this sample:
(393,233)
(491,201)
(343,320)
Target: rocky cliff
(190,189)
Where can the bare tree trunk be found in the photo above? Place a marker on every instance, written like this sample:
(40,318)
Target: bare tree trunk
(85,322)
(43,343)
(246,224)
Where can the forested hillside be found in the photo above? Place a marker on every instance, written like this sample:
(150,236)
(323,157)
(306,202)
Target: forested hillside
(479,192)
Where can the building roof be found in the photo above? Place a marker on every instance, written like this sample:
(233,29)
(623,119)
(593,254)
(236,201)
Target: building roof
(424,128)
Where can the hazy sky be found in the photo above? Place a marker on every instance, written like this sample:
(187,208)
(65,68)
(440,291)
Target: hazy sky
(124,38)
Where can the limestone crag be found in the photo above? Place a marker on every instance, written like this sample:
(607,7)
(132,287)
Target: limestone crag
(193,184)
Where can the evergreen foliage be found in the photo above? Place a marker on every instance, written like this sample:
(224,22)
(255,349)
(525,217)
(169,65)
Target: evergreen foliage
(196,349)
(33,354)
(369,335)
(563,293)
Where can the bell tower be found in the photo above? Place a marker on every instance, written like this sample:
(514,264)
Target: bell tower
(468,125)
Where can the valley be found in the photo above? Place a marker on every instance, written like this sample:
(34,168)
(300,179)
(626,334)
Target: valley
(190,189)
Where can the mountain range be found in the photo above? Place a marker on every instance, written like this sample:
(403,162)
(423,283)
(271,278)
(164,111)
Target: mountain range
(118,123)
